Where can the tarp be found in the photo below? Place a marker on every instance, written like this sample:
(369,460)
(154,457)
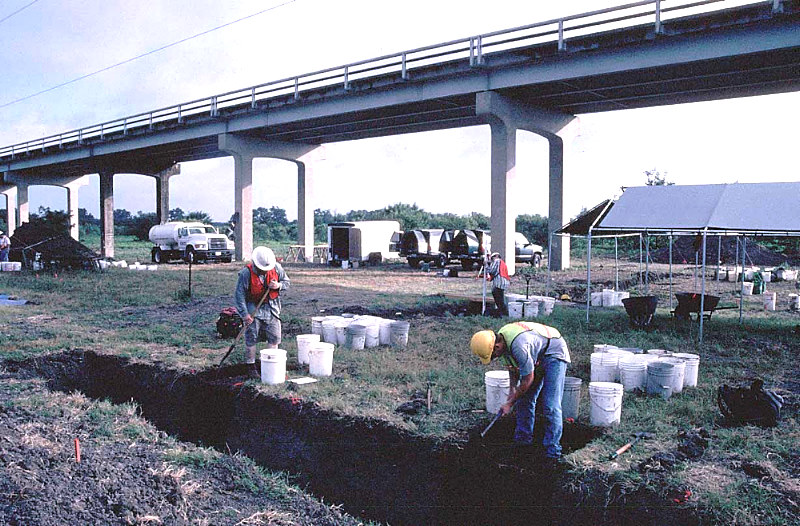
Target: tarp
(758,208)
(580,225)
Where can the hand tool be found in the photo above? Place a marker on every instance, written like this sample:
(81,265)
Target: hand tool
(637,437)
(244,327)
(495,419)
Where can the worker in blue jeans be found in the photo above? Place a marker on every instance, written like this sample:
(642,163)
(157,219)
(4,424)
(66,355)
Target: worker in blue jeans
(537,358)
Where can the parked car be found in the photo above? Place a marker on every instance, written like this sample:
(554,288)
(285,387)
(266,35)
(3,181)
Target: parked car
(525,251)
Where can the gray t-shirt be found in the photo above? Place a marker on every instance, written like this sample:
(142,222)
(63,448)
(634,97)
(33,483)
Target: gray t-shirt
(527,350)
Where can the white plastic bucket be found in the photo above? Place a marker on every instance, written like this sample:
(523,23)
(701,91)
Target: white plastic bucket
(680,373)
(794,302)
(606,403)
(770,299)
(633,373)
(304,343)
(597,299)
(341,331)
(691,369)
(747,288)
(355,336)
(316,324)
(603,366)
(398,333)
(515,310)
(329,331)
(345,264)
(621,355)
(547,306)
(603,347)
(608,297)
(570,401)
(660,378)
(273,366)
(498,384)
(16,266)
(5,266)
(767,275)
(530,309)
(659,352)
(384,333)
(372,337)
(320,359)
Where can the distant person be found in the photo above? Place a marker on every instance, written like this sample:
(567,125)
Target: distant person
(5,246)
(497,273)
(263,275)
(537,358)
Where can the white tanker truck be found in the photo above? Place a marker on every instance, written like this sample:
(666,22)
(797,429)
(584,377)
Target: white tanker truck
(191,242)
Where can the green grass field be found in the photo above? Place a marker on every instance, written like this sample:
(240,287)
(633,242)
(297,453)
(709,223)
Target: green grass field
(747,475)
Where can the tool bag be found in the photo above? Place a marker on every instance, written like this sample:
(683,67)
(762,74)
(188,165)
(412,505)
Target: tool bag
(229,322)
(750,405)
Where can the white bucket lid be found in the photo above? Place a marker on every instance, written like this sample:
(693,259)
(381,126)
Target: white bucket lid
(308,337)
(499,375)
(321,347)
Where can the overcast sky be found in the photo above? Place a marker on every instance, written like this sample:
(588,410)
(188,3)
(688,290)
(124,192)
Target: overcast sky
(51,42)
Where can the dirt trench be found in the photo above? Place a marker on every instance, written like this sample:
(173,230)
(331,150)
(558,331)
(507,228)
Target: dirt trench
(376,471)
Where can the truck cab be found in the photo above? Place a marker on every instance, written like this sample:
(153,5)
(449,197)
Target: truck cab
(191,242)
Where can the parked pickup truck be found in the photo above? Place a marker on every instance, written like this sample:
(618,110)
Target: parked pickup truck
(190,242)
(525,251)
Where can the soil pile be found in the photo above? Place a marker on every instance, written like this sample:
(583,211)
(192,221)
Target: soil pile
(685,247)
(56,249)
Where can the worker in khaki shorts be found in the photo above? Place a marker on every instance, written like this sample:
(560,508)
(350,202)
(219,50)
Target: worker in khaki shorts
(537,358)
(263,275)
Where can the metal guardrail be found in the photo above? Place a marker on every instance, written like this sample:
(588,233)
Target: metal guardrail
(472,48)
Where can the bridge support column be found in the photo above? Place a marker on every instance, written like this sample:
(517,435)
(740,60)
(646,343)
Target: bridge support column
(162,192)
(305,209)
(244,149)
(23,207)
(505,116)
(10,192)
(107,214)
(72,206)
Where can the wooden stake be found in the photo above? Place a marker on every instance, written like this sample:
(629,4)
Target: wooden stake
(77,450)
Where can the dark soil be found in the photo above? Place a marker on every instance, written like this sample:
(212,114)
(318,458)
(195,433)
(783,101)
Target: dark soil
(685,247)
(374,469)
(145,478)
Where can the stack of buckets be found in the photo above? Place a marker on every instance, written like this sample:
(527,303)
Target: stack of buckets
(613,371)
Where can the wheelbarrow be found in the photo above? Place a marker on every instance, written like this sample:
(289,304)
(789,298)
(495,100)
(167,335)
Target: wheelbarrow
(640,309)
(689,303)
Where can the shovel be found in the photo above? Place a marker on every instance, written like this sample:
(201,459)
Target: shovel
(637,437)
(244,328)
(495,419)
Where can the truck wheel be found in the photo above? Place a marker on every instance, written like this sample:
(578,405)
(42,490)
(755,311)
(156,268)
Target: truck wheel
(227,260)
(441,261)
(467,264)
(536,260)
(413,262)
(158,256)
(190,256)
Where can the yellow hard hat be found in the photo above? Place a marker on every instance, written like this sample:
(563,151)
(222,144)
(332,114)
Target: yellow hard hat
(482,345)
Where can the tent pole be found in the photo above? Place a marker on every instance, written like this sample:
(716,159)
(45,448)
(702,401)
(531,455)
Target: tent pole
(616,263)
(703,286)
(719,257)
(695,271)
(670,271)
(736,261)
(588,273)
(647,265)
(741,293)
(640,258)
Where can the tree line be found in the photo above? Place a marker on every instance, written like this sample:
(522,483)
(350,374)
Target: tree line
(272,223)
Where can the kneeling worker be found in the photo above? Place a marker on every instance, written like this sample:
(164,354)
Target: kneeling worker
(259,278)
(537,358)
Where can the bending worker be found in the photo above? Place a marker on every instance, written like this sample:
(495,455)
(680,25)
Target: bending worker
(537,358)
(263,275)
(5,246)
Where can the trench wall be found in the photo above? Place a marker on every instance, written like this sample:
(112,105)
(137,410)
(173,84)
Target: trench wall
(376,471)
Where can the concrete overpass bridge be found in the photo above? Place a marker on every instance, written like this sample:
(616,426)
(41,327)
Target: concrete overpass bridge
(536,78)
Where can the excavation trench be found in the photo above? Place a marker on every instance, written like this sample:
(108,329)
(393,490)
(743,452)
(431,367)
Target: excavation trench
(375,470)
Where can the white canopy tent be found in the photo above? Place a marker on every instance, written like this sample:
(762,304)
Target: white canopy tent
(738,209)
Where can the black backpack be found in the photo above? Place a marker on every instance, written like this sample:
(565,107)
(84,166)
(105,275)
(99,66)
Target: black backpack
(229,323)
(750,405)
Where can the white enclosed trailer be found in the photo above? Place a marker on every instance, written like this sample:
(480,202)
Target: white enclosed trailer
(362,241)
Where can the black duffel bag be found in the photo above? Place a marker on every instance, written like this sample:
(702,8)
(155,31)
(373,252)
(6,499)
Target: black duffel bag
(750,405)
